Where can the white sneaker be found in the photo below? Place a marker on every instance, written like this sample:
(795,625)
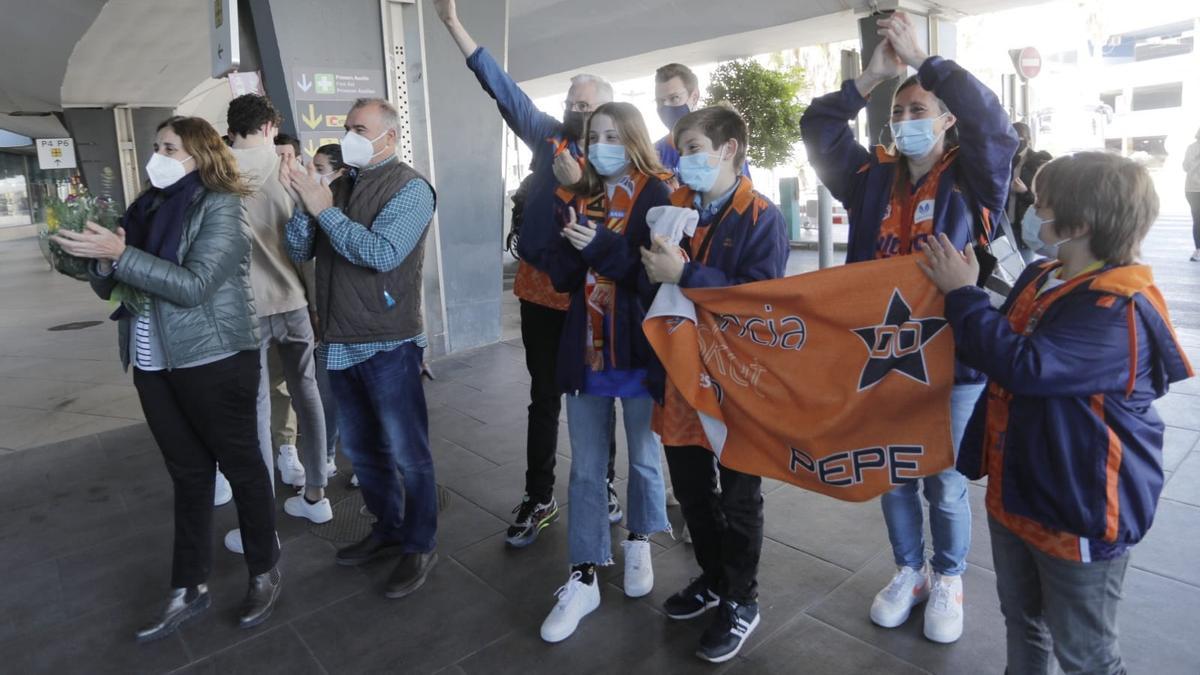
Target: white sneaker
(298,506)
(1195,256)
(224,493)
(291,471)
(353,480)
(639,570)
(907,589)
(330,468)
(575,601)
(944,613)
(233,542)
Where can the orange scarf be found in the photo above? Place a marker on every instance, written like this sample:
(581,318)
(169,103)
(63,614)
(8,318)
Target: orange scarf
(599,291)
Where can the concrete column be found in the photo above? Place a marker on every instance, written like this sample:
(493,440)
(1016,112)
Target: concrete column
(466,134)
(454,133)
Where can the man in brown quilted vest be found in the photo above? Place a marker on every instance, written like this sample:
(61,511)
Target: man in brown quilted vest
(368,236)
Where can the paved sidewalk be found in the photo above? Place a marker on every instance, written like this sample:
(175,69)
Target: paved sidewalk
(85,532)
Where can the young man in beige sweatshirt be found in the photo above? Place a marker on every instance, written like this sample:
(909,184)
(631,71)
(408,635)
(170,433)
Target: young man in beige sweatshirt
(280,302)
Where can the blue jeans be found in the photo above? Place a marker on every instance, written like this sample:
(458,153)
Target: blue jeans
(329,404)
(385,432)
(949,508)
(589,420)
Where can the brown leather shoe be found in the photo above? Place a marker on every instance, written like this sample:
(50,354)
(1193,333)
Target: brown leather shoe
(410,573)
(365,550)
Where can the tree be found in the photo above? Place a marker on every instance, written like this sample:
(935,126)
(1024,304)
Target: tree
(768,100)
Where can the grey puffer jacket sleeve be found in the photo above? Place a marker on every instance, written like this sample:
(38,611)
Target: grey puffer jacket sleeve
(214,254)
(203,306)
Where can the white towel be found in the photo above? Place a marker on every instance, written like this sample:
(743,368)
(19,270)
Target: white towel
(671,223)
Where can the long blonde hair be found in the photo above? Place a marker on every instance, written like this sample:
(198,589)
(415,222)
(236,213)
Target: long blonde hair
(631,129)
(217,167)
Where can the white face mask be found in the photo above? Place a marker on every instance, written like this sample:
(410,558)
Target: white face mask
(357,151)
(164,171)
(327,178)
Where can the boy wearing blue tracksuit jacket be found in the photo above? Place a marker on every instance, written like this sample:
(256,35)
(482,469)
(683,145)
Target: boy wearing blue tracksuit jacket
(741,237)
(1067,433)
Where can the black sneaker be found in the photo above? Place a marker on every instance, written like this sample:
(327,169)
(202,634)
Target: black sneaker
(531,519)
(692,601)
(614,505)
(724,637)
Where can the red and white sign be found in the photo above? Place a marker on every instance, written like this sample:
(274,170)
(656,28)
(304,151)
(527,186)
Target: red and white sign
(1029,63)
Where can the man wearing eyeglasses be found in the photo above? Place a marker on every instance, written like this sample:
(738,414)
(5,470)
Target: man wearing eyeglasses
(676,93)
(556,160)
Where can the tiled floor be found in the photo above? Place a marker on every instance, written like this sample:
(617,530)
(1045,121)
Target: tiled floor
(85,528)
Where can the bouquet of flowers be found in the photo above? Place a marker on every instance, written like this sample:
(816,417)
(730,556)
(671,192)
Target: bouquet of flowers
(73,214)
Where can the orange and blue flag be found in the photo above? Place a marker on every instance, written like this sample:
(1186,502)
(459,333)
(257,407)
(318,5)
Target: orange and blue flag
(837,381)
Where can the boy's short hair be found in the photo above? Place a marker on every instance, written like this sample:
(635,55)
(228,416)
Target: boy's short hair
(685,75)
(249,112)
(719,123)
(287,139)
(1113,195)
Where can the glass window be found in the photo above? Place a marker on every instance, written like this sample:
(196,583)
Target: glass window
(1170,41)
(14,191)
(1157,96)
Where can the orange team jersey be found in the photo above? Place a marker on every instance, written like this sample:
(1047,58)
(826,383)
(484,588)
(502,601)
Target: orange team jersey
(908,221)
(534,285)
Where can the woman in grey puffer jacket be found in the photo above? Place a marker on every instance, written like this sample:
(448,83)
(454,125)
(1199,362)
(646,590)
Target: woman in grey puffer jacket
(180,268)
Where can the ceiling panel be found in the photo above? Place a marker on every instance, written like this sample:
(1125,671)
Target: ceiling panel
(36,39)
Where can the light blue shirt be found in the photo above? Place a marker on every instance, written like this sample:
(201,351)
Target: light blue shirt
(393,235)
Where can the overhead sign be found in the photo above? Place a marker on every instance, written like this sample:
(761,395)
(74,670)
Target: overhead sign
(323,97)
(223,37)
(241,84)
(56,153)
(1028,62)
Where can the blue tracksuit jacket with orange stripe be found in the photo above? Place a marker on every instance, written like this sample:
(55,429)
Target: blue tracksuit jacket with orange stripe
(1067,432)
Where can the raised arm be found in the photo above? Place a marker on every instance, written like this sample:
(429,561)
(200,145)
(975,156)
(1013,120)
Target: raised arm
(531,125)
(447,11)
(986,140)
(825,127)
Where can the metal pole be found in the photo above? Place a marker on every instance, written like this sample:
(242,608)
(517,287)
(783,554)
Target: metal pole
(825,226)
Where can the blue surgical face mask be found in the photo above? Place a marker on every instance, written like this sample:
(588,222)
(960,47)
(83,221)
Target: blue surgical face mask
(1035,232)
(609,159)
(696,172)
(671,114)
(915,138)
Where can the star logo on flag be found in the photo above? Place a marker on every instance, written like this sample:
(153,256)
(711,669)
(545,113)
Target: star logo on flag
(897,344)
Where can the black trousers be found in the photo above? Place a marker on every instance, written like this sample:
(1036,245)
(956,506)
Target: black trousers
(201,416)
(726,527)
(1193,199)
(541,331)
